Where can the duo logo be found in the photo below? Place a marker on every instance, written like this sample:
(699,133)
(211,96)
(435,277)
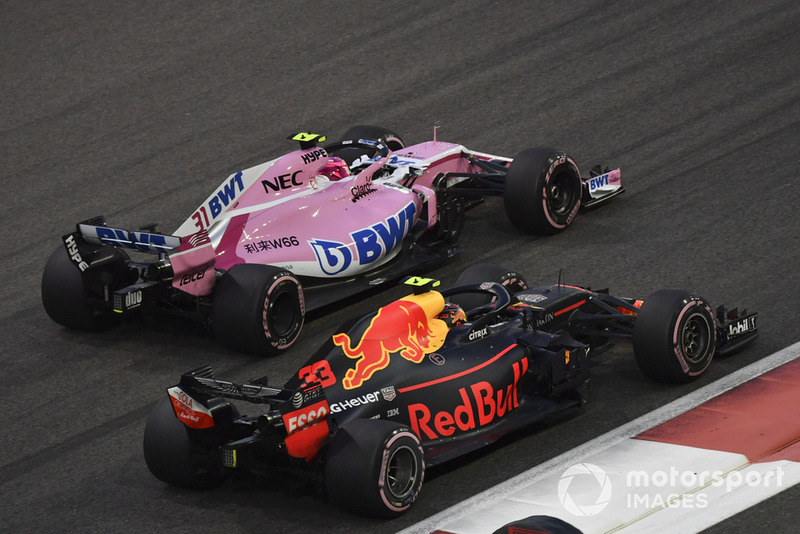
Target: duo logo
(406,326)
(370,243)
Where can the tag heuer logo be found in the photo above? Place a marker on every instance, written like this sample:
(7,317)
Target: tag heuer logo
(388,393)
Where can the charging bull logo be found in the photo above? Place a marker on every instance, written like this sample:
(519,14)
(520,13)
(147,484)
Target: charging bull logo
(408,326)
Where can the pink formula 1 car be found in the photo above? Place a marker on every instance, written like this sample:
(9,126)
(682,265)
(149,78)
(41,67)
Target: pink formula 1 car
(305,230)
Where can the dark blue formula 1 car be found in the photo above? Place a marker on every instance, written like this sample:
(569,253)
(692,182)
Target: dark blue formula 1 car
(425,379)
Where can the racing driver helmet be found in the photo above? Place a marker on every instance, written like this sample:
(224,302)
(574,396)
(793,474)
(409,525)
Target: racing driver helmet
(334,169)
(452,315)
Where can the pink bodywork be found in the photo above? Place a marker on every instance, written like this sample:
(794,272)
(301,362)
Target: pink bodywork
(280,213)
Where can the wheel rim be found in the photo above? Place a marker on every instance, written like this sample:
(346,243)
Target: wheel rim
(696,338)
(402,472)
(281,315)
(561,194)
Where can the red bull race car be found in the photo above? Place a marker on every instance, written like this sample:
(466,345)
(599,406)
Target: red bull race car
(305,230)
(425,379)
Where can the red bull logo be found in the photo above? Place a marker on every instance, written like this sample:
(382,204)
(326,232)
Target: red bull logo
(481,404)
(407,326)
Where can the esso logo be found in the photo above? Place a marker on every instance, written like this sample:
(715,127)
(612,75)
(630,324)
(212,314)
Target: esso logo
(298,420)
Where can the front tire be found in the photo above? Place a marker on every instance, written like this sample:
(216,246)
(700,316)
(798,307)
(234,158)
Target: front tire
(258,309)
(542,191)
(374,468)
(674,339)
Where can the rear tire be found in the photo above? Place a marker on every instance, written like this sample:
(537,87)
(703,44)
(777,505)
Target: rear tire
(66,296)
(542,191)
(173,458)
(674,339)
(258,309)
(513,281)
(374,468)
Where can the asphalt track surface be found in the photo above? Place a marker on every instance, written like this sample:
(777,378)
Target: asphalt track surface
(138,110)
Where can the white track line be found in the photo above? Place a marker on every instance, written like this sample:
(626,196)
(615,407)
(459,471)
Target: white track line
(486,499)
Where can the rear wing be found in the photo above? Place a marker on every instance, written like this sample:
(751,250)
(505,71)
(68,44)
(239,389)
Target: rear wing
(202,381)
(99,234)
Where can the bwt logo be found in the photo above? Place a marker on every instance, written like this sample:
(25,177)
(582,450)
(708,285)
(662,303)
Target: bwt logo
(598,182)
(605,182)
(370,243)
(134,240)
(225,195)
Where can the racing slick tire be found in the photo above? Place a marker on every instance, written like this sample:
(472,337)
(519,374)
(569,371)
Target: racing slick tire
(674,339)
(258,309)
(66,293)
(539,524)
(542,191)
(174,458)
(374,468)
(513,281)
(364,131)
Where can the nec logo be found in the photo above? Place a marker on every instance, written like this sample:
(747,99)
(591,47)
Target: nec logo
(308,416)
(281,182)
